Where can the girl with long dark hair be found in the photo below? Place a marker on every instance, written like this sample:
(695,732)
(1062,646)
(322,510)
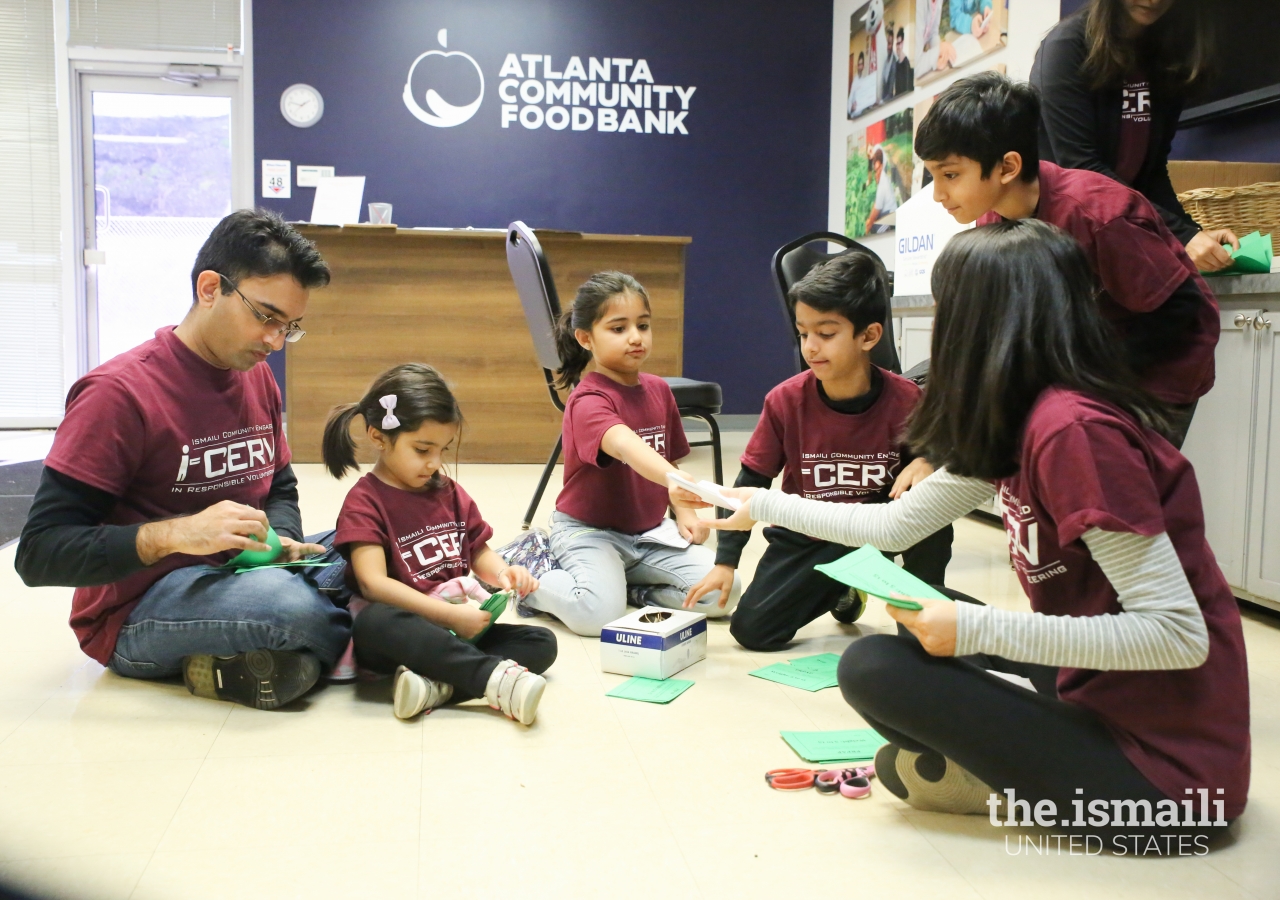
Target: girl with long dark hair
(1028,402)
(1113,79)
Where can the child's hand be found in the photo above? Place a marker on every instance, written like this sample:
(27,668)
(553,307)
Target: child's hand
(720,578)
(741,519)
(912,474)
(292,551)
(518,579)
(468,621)
(692,529)
(683,499)
(934,626)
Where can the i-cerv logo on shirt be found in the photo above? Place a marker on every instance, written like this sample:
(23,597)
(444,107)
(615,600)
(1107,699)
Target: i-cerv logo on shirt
(221,456)
(1023,530)
(853,473)
(655,436)
(434,551)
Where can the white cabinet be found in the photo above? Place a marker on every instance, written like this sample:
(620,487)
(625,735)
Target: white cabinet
(1234,444)
(915,335)
(1262,574)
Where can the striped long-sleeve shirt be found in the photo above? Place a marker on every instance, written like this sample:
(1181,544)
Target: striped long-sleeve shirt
(1160,625)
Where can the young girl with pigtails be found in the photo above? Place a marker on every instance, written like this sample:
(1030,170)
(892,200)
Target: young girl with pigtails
(412,536)
(622,435)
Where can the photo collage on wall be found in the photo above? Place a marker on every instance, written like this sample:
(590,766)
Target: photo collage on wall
(881,36)
(894,46)
(953,33)
(878,177)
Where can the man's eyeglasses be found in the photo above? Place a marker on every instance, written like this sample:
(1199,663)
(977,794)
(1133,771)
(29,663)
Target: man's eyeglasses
(274,327)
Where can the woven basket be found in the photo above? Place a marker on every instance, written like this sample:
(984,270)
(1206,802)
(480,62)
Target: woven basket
(1253,207)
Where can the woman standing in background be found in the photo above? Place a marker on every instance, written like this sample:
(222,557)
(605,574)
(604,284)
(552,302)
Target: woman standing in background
(1113,79)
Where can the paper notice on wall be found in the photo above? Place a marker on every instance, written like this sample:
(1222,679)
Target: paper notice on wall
(338,200)
(276,180)
(309,176)
(924,228)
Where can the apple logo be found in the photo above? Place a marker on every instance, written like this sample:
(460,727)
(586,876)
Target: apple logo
(443,114)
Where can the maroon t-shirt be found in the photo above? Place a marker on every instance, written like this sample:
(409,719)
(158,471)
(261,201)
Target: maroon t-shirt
(829,455)
(599,489)
(169,435)
(429,536)
(1139,263)
(1135,127)
(1085,464)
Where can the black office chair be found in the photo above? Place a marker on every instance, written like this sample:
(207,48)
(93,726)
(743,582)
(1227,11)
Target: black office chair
(794,260)
(537,290)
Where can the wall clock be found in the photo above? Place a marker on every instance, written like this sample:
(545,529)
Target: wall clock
(301,105)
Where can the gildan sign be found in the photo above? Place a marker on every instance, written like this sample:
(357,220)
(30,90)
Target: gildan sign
(924,227)
(609,94)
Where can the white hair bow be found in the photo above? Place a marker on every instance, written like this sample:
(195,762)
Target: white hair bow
(389,421)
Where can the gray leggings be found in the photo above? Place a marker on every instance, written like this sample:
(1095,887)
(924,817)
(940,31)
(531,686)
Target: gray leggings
(590,589)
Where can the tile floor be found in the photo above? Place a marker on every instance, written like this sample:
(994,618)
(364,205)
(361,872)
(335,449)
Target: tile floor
(118,789)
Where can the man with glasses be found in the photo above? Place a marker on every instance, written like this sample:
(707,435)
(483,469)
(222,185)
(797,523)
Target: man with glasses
(170,460)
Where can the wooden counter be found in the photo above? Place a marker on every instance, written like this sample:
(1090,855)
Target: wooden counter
(445,297)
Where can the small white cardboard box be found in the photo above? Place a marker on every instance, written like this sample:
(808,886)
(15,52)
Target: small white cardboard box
(653,642)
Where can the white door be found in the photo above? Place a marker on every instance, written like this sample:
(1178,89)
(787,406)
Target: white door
(158,174)
(1219,443)
(1263,576)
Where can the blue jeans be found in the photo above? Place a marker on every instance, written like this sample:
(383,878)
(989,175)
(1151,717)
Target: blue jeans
(209,610)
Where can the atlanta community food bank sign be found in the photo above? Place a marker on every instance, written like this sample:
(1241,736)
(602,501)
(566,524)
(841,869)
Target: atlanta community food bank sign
(610,94)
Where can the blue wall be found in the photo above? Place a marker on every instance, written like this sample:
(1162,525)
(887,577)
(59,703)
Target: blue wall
(1252,136)
(750,174)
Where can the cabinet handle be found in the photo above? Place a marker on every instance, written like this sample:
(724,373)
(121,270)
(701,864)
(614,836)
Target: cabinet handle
(1243,321)
(1261,324)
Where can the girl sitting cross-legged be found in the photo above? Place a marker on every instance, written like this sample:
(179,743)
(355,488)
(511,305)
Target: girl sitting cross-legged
(1147,731)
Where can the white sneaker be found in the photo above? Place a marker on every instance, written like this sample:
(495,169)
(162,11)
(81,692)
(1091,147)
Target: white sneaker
(516,691)
(414,693)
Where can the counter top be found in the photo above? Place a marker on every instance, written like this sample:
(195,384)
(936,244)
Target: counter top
(1243,285)
(1226,288)
(490,233)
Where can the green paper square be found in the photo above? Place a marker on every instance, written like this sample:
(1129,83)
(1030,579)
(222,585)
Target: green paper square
(871,572)
(819,662)
(495,606)
(1253,257)
(650,690)
(792,676)
(852,745)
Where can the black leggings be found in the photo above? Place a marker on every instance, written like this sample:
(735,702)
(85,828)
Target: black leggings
(786,593)
(386,637)
(1032,743)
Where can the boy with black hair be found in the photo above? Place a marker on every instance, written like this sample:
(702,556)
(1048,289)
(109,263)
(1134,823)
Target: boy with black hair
(835,432)
(979,141)
(171,459)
